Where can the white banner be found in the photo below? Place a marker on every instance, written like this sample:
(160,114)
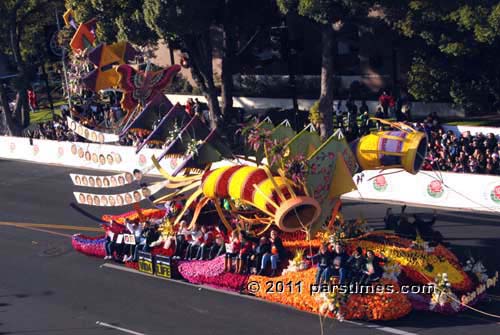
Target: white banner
(90,134)
(117,200)
(470,192)
(102,181)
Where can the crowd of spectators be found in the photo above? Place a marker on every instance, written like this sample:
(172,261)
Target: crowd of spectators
(447,151)
(461,153)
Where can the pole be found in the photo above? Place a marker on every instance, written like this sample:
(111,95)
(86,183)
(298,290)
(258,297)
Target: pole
(63,59)
(171,51)
(47,88)
(291,52)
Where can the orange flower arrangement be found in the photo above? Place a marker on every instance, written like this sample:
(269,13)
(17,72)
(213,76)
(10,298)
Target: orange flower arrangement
(376,306)
(385,306)
(302,244)
(134,215)
(291,296)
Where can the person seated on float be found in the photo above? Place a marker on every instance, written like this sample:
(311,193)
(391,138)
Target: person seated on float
(373,269)
(206,243)
(140,242)
(390,220)
(182,238)
(338,265)
(151,235)
(406,227)
(246,251)
(278,253)
(194,243)
(424,228)
(356,265)
(134,228)
(263,249)
(112,232)
(218,248)
(232,250)
(323,259)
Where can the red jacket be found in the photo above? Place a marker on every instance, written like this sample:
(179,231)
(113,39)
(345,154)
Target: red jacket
(246,248)
(207,238)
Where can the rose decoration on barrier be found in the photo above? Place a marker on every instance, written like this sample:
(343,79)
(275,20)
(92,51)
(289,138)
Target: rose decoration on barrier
(12,147)
(173,162)
(380,183)
(60,152)
(142,160)
(495,194)
(36,149)
(435,189)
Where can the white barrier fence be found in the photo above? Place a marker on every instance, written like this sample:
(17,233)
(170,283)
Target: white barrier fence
(79,155)
(427,188)
(467,192)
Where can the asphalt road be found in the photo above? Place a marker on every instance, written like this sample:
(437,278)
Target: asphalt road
(47,288)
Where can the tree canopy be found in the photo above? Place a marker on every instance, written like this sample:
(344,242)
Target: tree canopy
(459,41)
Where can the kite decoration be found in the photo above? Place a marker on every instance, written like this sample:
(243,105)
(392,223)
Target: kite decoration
(106,58)
(69,19)
(84,36)
(140,87)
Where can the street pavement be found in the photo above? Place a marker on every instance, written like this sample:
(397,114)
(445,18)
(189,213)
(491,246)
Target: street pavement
(47,288)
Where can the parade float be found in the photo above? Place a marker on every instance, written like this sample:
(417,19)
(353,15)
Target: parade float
(289,181)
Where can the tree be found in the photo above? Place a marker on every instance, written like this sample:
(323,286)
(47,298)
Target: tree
(22,39)
(190,22)
(457,46)
(240,21)
(331,15)
(117,20)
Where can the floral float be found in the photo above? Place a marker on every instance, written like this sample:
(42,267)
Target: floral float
(297,189)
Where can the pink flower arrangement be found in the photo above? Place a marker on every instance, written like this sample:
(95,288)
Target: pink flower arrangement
(212,273)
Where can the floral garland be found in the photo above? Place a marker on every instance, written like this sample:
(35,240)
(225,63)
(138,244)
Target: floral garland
(149,214)
(257,137)
(192,147)
(91,246)
(296,169)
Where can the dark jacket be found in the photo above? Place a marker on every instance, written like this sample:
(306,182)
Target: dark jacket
(377,267)
(263,249)
(341,258)
(356,264)
(323,260)
(278,244)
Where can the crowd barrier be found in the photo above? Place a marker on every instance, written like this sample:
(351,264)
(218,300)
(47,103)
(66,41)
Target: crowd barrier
(86,155)
(427,188)
(465,192)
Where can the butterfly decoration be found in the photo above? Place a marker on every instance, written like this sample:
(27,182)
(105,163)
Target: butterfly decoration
(140,87)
